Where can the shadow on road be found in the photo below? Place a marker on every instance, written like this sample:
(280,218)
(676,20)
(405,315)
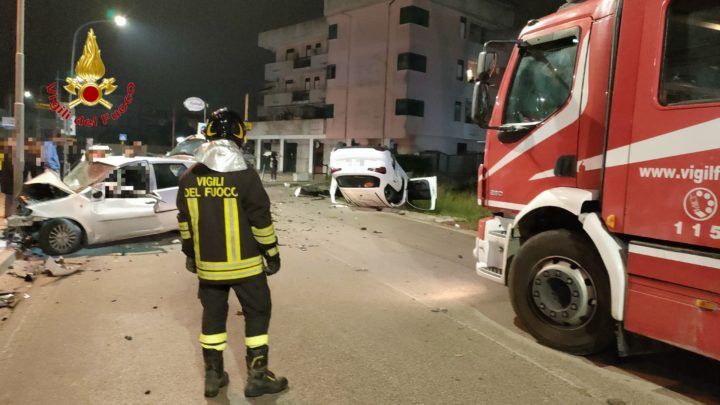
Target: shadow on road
(154,244)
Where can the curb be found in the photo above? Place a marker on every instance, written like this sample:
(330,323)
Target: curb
(7,258)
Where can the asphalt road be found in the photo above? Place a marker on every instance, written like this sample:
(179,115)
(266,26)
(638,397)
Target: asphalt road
(369,308)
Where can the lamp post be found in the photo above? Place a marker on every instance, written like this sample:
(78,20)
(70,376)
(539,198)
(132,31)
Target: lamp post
(118,20)
(19,161)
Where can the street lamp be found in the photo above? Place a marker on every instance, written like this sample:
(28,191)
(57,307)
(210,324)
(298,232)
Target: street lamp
(28,94)
(119,20)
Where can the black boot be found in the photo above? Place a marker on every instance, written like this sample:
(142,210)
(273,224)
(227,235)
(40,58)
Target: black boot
(260,379)
(215,375)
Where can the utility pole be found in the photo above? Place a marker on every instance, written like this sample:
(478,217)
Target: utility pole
(19,162)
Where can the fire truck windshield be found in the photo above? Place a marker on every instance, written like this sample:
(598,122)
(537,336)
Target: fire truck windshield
(542,82)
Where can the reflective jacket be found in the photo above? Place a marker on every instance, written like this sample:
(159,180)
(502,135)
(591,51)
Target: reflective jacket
(225,223)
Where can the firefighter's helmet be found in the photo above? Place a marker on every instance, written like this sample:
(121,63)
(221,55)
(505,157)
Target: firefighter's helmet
(225,124)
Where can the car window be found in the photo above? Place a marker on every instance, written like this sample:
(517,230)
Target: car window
(130,181)
(691,63)
(85,174)
(542,82)
(168,174)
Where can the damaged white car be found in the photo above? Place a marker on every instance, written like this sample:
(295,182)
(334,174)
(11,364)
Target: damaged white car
(371,177)
(105,200)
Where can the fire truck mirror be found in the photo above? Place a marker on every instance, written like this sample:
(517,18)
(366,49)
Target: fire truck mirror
(487,64)
(481,106)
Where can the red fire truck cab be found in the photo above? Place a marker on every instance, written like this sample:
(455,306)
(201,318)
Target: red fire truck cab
(602,168)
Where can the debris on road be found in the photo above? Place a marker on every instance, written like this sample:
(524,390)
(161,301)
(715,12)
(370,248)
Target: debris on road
(439,310)
(363,229)
(26,295)
(7,300)
(128,337)
(57,267)
(362,269)
(147,392)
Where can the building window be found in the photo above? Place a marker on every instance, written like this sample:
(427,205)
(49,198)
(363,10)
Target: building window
(460,69)
(457,114)
(461,148)
(316,83)
(329,110)
(476,34)
(414,15)
(463,27)
(468,111)
(290,54)
(308,48)
(690,73)
(288,84)
(408,106)
(332,31)
(307,83)
(318,48)
(330,72)
(411,61)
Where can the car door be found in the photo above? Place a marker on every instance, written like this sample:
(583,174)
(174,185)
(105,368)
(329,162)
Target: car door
(165,180)
(422,193)
(124,209)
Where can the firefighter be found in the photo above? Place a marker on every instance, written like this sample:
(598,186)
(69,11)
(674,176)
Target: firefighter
(229,240)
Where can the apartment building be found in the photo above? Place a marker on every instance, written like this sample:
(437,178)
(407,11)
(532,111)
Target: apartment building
(388,72)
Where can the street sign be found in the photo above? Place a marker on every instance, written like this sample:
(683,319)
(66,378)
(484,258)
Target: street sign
(123,137)
(194,104)
(8,122)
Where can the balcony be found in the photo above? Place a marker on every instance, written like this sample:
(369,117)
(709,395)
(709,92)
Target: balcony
(303,62)
(303,95)
(278,70)
(289,127)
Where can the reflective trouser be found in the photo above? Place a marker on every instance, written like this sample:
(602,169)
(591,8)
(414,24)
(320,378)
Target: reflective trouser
(254,296)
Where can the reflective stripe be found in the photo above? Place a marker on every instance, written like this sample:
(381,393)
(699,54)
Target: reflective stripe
(267,231)
(219,347)
(256,341)
(195,219)
(217,341)
(272,251)
(213,339)
(185,234)
(230,225)
(183,226)
(266,240)
(239,265)
(229,275)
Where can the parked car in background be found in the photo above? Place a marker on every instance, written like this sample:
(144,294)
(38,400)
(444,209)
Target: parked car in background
(372,177)
(100,200)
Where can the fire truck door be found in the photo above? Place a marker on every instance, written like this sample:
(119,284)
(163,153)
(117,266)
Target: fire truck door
(542,100)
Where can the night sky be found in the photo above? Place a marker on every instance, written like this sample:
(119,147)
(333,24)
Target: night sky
(170,49)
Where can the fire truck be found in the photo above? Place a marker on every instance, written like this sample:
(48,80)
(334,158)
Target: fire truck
(602,170)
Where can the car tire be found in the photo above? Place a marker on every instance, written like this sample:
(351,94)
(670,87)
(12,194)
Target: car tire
(560,290)
(60,236)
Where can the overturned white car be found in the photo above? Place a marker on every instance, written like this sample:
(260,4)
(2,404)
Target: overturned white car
(105,200)
(371,177)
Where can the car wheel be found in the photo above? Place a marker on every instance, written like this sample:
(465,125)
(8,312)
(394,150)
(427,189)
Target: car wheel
(560,290)
(60,236)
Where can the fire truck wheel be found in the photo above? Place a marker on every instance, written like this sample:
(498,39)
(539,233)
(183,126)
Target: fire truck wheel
(560,290)
(60,236)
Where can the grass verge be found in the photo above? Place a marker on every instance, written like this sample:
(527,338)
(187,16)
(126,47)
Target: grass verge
(459,204)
